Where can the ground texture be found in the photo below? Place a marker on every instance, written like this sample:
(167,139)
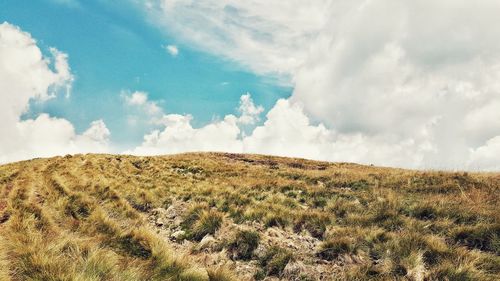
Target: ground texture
(214,216)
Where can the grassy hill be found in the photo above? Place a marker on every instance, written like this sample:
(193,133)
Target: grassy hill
(217,216)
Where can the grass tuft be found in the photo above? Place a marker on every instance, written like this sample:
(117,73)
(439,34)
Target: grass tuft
(275,260)
(243,244)
(200,222)
(332,248)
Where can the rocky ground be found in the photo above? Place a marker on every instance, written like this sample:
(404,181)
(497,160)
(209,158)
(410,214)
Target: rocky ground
(211,250)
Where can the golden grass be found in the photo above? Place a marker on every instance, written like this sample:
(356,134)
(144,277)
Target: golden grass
(83,217)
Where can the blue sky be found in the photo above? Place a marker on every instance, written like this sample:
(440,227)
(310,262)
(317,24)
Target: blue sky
(395,83)
(112,48)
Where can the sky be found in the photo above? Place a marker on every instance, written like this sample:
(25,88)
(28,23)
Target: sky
(413,84)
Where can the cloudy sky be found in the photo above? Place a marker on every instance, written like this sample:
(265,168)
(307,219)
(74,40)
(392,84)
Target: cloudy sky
(411,84)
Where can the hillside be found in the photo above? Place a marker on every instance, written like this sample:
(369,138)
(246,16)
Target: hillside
(217,216)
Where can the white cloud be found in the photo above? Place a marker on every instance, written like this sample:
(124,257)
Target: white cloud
(486,156)
(97,133)
(180,136)
(141,112)
(25,75)
(46,136)
(287,131)
(412,84)
(249,112)
(140,100)
(172,50)
(418,78)
(137,98)
(263,35)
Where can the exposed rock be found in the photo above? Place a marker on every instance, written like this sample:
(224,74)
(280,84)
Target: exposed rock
(169,218)
(178,234)
(260,251)
(207,242)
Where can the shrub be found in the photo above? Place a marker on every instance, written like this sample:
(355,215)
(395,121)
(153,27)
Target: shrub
(244,243)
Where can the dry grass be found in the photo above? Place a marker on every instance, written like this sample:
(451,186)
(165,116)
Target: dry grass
(84,217)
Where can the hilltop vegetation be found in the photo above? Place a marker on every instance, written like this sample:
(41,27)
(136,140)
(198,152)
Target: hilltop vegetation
(218,216)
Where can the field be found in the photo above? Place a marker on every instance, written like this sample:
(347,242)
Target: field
(215,216)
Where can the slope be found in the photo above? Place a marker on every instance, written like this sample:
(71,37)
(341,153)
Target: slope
(215,216)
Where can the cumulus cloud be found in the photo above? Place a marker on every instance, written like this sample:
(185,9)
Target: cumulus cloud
(248,110)
(140,100)
(486,156)
(178,135)
(287,131)
(25,74)
(413,84)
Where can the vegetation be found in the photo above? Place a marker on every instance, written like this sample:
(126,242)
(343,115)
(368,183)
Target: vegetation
(275,261)
(200,222)
(244,244)
(108,217)
(333,248)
